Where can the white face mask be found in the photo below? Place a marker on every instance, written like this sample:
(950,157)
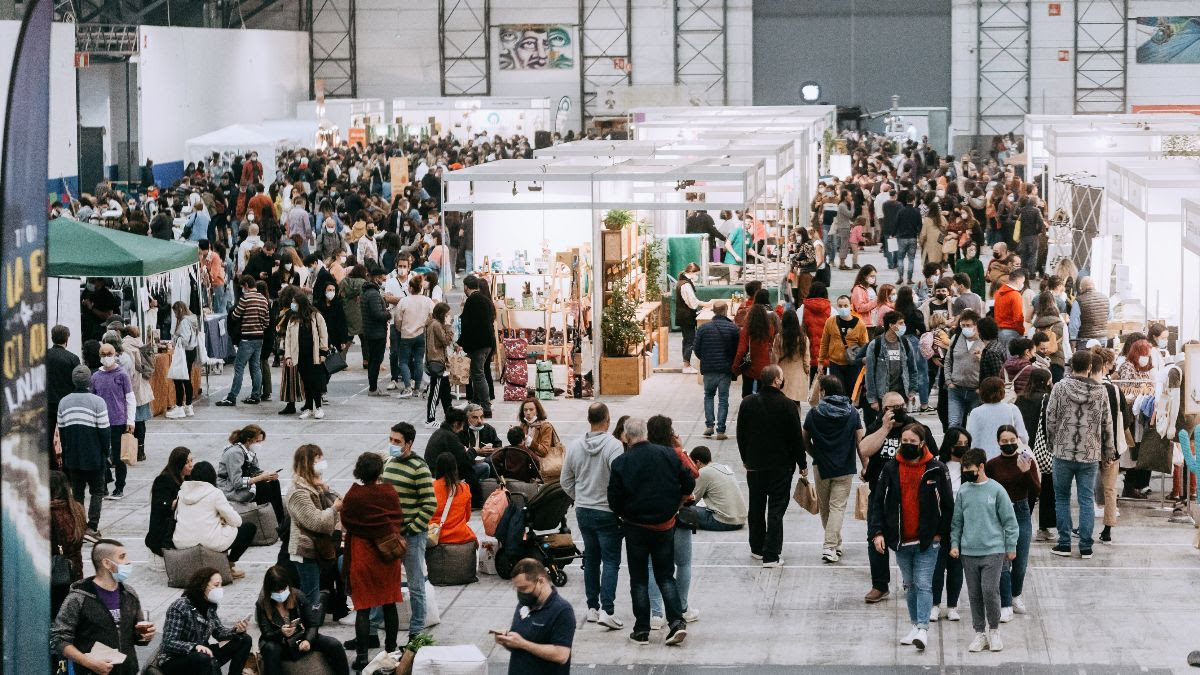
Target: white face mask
(256,448)
(1143,361)
(108,361)
(319,467)
(1162,343)
(216,595)
(329,294)
(530,419)
(287,266)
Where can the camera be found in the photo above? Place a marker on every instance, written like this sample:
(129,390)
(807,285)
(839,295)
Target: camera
(901,416)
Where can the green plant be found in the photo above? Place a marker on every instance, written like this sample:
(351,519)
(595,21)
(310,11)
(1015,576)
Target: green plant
(654,258)
(617,219)
(621,333)
(419,640)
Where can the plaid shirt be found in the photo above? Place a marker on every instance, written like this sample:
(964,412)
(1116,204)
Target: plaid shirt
(186,627)
(991,361)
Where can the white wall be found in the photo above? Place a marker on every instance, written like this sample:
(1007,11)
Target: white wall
(63,160)
(195,80)
(1051,80)
(102,104)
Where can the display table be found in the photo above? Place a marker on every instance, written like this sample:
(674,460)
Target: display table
(164,388)
(712,292)
(217,340)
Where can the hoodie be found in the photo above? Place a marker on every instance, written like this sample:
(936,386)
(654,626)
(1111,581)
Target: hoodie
(1078,407)
(587,467)
(204,517)
(816,313)
(1009,309)
(831,428)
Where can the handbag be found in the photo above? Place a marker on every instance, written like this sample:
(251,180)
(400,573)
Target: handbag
(862,499)
(178,369)
(435,530)
(60,570)
(1041,448)
(854,355)
(391,547)
(335,362)
(805,495)
(435,368)
(129,449)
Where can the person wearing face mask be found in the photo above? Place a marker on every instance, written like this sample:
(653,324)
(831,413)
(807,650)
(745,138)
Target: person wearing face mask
(287,627)
(863,296)
(239,476)
(1017,472)
(83,428)
(102,609)
(686,307)
(910,513)
(306,343)
(970,265)
(446,440)
(164,492)
(992,414)
(1137,377)
(112,384)
(843,332)
(204,517)
(410,476)
(328,302)
(1010,307)
(313,510)
(948,574)
(984,534)
(543,626)
(891,363)
(479,438)
(191,623)
(939,301)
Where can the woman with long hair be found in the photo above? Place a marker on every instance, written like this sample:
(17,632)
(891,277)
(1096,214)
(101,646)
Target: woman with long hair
(204,517)
(885,302)
(790,351)
(67,527)
(306,343)
(1048,319)
(448,487)
(934,232)
(754,340)
(239,475)
(163,493)
(192,622)
(948,573)
(863,296)
(186,337)
(1030,402)
(438,338)
(817,310)
(914,322)
(287,627)
(291,388)
(1135,377)
(313,509)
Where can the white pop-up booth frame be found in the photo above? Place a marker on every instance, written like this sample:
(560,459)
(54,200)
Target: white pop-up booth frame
(341,112)
(610,151)
(805,149)
(1189,265)
(465,118)
(1145,206)
(778,157)
(1036,127)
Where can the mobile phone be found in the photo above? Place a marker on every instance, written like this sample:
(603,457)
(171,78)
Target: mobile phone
(494,631)
(247,618)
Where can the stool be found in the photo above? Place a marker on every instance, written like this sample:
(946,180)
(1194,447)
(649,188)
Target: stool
(263,516)
(309,664)
(181,564)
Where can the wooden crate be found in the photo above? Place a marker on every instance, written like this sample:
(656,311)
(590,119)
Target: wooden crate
(621,375)
(615,244)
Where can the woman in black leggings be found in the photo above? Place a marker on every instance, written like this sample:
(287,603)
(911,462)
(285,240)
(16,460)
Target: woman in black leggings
(187,338)
(438,337)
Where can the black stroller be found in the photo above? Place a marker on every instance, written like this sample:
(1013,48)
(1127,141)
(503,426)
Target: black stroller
(536,527)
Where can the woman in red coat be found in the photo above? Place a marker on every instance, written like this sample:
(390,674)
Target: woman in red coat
(755,339)
(370,513)
(816,313)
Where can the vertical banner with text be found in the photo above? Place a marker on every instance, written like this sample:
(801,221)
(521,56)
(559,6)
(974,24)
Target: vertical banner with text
(24,462)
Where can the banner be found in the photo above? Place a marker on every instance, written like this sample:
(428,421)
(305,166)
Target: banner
(1168,39)
(534,46)
(24,462)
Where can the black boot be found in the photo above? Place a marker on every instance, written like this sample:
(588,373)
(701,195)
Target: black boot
(361,661)
(290,409)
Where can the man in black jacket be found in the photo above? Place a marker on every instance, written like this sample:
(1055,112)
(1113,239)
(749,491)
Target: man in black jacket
(715,346)
(908,227)
(646,487)
(771,444)
(446,440)
(702,223)
(59,364)
(477,337)
(1032,226)
(375,318)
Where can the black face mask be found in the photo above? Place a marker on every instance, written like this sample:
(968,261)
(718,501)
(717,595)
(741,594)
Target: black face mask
(1008,448)
(525,599)
(910,451)
(958,451)
(969,476)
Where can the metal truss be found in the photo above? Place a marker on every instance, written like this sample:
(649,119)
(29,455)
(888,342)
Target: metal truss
(332,56)
(208,13)
(119,41)
(701,52)
(1078,200)
(1001,66)
(1100,44)
(606,53)
(465,47)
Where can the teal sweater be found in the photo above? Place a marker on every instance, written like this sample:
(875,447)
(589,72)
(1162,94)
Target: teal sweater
(984,522)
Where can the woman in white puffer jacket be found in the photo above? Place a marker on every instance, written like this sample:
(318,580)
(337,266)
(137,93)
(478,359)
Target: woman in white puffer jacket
(204,517)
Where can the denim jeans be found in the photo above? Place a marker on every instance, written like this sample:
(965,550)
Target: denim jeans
(716,385)
(219,300)
(832,243)
(770,492)
(922,372)
(916,568)
(1012,579)
(394,353)
(1083,474)
(683,573)
(412,361)
(644,548)
(1006,336)
(907,251)
(961,401)
(249,352)
(414,573)
(708,521)
(480,362)
(309,572)
(947,575)
(888,254)
(601,532)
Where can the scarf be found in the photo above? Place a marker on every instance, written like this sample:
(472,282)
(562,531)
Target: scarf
(911,474)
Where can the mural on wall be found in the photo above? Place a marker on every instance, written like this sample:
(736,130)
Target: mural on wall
(533,46)
(1168,39)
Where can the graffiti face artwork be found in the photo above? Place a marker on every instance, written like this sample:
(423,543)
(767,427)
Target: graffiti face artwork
(535,47)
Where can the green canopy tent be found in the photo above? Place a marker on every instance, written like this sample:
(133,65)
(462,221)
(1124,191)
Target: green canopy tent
(77,249)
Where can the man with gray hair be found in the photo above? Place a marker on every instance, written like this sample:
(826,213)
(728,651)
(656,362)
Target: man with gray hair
(646,486)
(715,345)
(480,439)
(83,431)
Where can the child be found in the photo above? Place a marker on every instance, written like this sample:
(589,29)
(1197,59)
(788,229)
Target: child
(984,533)
(857,240)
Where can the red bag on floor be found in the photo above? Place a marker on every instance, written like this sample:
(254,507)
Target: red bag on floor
(516,348)
(513,392)
(516,371)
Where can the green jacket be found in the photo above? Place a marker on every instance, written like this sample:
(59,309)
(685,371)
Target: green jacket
(351,293)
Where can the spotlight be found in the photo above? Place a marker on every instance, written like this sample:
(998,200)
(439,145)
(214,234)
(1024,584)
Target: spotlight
(810,92)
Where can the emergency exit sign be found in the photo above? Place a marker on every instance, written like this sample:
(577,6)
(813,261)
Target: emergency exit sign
(1055,9)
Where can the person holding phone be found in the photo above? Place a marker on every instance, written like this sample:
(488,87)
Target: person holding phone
(543,625)
(239,475)
(287,626)
(192,621)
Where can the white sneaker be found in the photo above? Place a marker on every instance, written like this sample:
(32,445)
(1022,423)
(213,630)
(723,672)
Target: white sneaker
(305,414)
(176,413)
(692,615)
(391,386)
(979,644)
(688,370)
(319,414)
(187,410)
(920,639)
(830,556)
(405,393)
(995,644)
(593,615)
(657,622)
(1006,614)
(952,614)
(773,563)
(756,556)
(912,635)
(432,425)
(610,621)
(935,613)
(1099,511)
(1019,605)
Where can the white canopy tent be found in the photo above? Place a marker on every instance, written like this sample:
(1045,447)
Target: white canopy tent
(239,139)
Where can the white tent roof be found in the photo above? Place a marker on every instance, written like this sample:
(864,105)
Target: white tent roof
(239,139)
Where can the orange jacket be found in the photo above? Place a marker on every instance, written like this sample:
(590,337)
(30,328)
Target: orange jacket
(1010,312)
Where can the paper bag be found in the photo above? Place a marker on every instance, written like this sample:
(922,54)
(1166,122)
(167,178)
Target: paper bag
(806,496)
(861,497)
(129,447)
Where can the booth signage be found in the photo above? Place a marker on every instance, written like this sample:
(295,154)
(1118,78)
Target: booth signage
(1191,232)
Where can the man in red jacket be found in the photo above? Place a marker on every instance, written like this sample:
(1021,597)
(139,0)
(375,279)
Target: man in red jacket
(1009,310)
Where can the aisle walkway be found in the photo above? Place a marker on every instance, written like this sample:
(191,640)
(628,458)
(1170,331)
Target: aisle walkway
(1131,606)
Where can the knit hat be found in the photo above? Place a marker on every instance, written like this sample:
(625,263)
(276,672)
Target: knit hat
(81,377)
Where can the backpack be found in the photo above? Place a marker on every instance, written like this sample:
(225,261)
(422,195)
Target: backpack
(493,510)
(144,364)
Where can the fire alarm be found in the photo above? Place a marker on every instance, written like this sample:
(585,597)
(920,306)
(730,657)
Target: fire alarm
(1055,9)
(1064,55)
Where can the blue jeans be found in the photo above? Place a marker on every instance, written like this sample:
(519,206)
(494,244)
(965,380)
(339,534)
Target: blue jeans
(916,568)
(412,361)
(414,572)
(309,572)
(709,522)
(888,255)
(248,352)
(1006,336)
(960,402)
(220,302)
(1083,474)
(683,573)
(601,532)
(716,385)
(907,251)
(1012,578)
(922,382)
(834,243)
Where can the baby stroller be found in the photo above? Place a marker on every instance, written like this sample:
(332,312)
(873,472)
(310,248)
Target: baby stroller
(536,527)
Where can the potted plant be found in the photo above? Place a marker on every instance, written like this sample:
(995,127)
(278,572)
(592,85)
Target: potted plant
(621,335)
(654,258)
(618,219)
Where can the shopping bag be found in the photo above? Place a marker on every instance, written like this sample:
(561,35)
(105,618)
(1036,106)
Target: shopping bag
(459,365)
(862,496)
(178,369)
(806,496)
(335,362)
(129,447)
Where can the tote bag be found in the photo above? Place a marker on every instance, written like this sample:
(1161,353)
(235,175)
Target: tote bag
(178,369)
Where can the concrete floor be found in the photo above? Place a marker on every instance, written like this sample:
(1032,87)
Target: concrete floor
(1132,608)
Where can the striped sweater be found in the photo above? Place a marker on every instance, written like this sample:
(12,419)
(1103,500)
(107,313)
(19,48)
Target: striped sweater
(414,486)
(254,312)
(83,430)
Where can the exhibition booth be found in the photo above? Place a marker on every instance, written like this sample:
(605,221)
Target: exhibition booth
(611,151)
(346,114)
(240,139)
(1036,127)
(1189,324)
(778,155)
(465,118)
(1145,225)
